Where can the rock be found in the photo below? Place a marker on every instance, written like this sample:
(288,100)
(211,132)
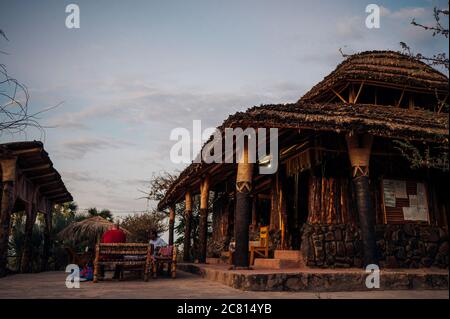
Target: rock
(358,263)
(400,254)
(349,249)
(319,254)
(426,261)
(329,236)
(349,236)
(434,235)
(340,249)
(338,234)
(443,248)
(330,248)
(391,262)
(409,230)
(329,260)
(293,283)
(431,249)
(443,235)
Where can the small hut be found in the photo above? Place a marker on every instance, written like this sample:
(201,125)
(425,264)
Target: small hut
(362,175)
(29,183)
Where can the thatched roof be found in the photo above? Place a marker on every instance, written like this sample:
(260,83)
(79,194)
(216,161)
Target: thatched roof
(383,121)
(90,228)
(385,68)
(36,165)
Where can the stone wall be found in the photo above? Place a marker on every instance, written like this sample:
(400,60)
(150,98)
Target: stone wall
(399,246)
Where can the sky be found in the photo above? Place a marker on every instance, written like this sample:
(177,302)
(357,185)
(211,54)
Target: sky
(135,70)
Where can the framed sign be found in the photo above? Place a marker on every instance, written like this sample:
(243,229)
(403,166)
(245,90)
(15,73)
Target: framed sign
(404,201)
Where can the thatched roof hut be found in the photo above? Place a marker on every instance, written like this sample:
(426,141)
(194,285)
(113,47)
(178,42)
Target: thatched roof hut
(388,68)
(360,113)
(88,229)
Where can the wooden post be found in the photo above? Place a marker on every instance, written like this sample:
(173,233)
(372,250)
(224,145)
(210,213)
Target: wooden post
(187,227)
(203,223)
(26,263)
(359,148)
(47,239)
(171,223)
(243,210)
(351,94)
(7,204)
(411,102)
(254,216)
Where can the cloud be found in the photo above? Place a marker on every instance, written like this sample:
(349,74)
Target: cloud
(142,104)
(78,148)
(404,13)
(350,28)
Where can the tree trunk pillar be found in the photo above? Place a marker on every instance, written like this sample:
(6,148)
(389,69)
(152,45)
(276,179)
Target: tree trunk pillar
(359,148)
(203,223)
(243,210)
(26,263)
(187,227)
(7,204)
(47,240)
(171,223)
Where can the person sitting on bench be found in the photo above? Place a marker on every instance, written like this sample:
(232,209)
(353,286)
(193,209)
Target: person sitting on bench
(114,235)
(156,241)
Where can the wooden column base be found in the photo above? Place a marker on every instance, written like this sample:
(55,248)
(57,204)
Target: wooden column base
(187,237)
(5,220)
(242,220)
(203,234)
(366,219)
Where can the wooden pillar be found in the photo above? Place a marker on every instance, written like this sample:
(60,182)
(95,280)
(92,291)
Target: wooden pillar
(26,262)
(254,212)
(243,210)
(7,204)
(171,223)
(47,239)
(359,148)
(351,94)
(187,227)
(203,223)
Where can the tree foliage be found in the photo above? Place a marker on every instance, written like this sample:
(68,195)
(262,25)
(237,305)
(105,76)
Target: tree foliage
(429,156)
(105,213)
(141,225)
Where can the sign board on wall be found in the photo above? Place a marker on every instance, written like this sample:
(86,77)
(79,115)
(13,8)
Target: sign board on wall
(404,201)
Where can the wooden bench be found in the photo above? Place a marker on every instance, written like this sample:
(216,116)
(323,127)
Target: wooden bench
(124,255)
(166,256)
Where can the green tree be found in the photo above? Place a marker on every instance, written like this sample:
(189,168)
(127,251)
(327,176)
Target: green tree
(105,213)
(140,225)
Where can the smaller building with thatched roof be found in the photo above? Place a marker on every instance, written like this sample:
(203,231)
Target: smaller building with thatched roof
(29,183)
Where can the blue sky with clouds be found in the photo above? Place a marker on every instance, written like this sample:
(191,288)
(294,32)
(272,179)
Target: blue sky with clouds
(137,69)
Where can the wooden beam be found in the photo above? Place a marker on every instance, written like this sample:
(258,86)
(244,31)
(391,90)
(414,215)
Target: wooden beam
(406,87)
(27,151)
(351,94)
(442,104)
(339,91)
(36,168)
(401,98)
(42,176)
(411,103)
(49,183)
(54,191)
(359,92)
(339,96)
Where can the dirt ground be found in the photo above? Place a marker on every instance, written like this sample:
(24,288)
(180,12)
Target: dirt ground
(185,286)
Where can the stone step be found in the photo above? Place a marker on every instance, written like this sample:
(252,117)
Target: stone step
(288,254)
(275,263)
